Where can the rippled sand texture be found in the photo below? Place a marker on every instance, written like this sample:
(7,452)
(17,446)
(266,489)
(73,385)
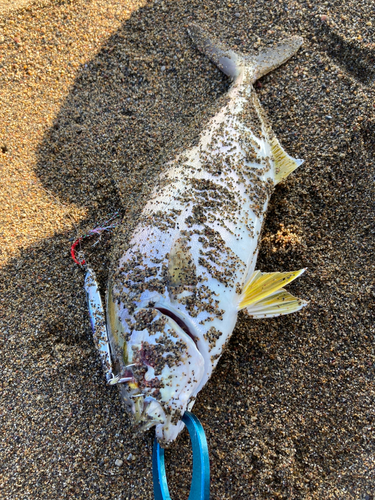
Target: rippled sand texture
(95,96)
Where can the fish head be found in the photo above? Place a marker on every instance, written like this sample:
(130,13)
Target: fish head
(161,368)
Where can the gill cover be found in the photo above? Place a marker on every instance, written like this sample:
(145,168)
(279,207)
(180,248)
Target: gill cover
(163,369)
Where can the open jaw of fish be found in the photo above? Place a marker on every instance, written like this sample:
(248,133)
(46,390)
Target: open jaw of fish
(174,295)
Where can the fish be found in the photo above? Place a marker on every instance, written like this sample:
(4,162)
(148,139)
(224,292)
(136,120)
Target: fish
(174,295)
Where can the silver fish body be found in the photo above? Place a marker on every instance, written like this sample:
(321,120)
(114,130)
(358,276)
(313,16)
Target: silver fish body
(174,296)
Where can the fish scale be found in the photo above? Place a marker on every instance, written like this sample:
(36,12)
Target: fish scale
(174,296)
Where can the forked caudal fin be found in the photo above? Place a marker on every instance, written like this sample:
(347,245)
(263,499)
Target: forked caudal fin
(264,297)
(231,62)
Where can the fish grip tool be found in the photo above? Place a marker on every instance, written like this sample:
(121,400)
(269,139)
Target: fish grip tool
(200,483)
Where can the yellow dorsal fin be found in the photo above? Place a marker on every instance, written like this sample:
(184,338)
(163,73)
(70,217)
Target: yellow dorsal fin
(263,295)
(284,164)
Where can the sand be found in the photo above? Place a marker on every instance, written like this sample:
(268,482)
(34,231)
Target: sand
(95,95)
(7,6)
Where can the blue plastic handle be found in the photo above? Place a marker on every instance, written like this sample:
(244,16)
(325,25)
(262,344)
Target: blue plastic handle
(200,484)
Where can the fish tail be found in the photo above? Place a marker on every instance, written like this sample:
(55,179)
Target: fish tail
(232,62)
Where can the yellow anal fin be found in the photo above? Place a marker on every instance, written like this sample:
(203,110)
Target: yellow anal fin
(263,295)
(276,304)
(284,164)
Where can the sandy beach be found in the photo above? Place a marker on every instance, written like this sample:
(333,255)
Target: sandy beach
(96,95)
(7,6)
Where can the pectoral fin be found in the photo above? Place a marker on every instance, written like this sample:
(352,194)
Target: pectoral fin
(182,272)
(264,297)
